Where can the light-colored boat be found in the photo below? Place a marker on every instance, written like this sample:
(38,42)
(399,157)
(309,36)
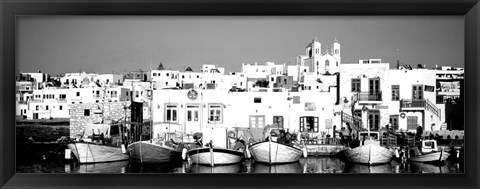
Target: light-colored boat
(96,153)
(429,153)
(273,152)
(215,156)
(165,146)
(219,151)
(369,152)
(105,146)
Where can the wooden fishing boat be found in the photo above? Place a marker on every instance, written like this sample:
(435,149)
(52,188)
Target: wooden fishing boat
(215,156)
(99,148)
(273,152)
(429,153)
(86,152)
(148,152)
(165,146)
(369,152)
(220,150)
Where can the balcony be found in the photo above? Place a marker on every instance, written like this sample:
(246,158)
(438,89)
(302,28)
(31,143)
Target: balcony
(368,98)
(422,104)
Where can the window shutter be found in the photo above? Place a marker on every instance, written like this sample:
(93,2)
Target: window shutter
(315,125)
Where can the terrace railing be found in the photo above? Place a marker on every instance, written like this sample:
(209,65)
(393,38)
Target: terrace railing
(368,96)
(422,103)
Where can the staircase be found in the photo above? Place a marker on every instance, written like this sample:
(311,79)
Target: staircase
(434,109)
(422,104)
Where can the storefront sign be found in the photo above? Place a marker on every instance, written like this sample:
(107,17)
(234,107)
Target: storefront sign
(429,88)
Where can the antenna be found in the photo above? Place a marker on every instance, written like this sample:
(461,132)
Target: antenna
(398,58)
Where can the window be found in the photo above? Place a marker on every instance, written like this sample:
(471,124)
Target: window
(285,81)
(60,108)
(355,85)
(154,74)
(136,94)
(46,107)
(327,63)
(215,113)
(198,76)
(272,79)
(171,113)
(412,122)
(37,107)
(63,96)
(309,124)
(373,119)
(417,92)
(394,122)
(78,93)
(257,100)
(395,92)
(337,63)
(168,74)
(337,51)
(86,112)
(278,120)
(183,76)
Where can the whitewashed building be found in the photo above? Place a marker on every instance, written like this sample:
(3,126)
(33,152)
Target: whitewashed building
(319,61)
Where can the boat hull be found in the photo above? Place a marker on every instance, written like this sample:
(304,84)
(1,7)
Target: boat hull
(435,157)
(96,153)
(147,152)
(369,154)
(215,156)
(275,153)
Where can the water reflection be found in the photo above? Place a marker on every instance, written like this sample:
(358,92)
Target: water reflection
(383,168)
(281,168)
(235,168)
(305,165)
(113,167)
(322,165)
(417,167)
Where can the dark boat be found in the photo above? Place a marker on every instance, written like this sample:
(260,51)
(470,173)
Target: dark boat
(164,147)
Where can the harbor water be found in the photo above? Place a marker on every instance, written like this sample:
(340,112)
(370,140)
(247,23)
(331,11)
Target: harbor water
(35,161)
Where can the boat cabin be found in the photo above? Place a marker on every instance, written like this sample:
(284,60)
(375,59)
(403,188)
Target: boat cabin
(367,137)
(428,146)
(103,133)
(372,135)
(167,131)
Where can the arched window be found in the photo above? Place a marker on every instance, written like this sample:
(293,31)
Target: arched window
(327,63)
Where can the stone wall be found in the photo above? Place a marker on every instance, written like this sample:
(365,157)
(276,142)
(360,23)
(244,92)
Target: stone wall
(99,112)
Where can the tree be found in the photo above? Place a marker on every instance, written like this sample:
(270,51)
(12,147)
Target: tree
(262,83)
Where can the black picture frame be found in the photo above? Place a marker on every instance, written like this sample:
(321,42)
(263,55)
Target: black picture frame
(12,8)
